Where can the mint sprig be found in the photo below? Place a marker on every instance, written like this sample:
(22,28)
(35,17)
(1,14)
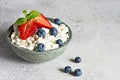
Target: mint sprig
(21,21)
(28,16)
(25,12)
(33,14)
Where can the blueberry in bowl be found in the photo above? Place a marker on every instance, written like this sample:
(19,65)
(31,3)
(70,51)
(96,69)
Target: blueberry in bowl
(36,38)
(57,21)
(41,32)
(53,31)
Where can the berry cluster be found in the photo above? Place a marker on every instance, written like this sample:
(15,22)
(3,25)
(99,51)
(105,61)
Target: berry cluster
(31,22)
(77,72)
(53,31)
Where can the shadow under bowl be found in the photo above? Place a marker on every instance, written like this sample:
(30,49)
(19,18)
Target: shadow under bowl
(35,56)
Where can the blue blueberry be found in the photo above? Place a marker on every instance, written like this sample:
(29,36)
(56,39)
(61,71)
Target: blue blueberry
(77,59)
(41,47)
(68,69)
(60,42)
(41,33)
(78,72)
(57,21)
(53,31)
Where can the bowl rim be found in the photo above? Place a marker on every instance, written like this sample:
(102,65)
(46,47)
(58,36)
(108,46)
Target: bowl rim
(9,32)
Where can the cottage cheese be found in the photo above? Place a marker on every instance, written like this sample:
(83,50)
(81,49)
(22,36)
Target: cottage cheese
(49,40)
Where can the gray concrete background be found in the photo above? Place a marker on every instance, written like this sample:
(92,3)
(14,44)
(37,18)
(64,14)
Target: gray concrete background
(96,39)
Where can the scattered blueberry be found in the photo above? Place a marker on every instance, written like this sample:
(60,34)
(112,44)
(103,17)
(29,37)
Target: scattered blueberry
(60,42)
(57,21)
(41,47)
(77,59)
(78,72)
(53,31)
(68,69)
(41,33)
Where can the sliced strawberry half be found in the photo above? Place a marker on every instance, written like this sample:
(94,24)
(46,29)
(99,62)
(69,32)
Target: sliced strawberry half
(42,21)
(28,29)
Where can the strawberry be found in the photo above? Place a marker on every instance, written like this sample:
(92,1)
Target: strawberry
(42,21)
(27,29)
(32,21)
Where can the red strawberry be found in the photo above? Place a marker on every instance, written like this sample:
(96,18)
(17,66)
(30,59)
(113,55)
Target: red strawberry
(27,29)
(42,21)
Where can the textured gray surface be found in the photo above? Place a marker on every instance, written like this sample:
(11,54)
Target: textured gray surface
(96,39)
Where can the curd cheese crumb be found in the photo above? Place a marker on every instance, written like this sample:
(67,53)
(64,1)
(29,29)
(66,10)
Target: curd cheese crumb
(30,46)
(49,40)
(13,36)
(55,46)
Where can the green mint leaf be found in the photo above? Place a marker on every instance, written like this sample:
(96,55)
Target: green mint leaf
(33,14)
(25,12)
(20,21)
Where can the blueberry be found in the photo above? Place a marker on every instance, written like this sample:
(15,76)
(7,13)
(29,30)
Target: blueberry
(78,72)
(57,21)
(41,33)
(53,31)
(60,42)
(77,59)
(68,69)
(41,47)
